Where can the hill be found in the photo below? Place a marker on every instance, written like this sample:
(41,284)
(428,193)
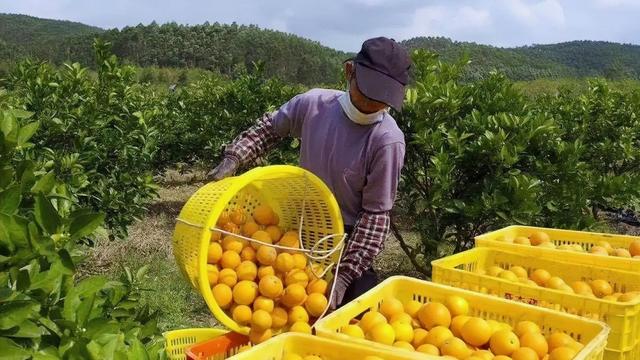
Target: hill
(224,48)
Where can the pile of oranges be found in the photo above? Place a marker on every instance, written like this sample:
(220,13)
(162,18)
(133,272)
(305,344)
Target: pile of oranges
(259,286)
(291,356)
(446,329)
(598,288)
(603,248)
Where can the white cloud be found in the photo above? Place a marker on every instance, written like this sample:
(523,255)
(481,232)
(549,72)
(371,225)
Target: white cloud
(441,20)
(546,12)
(616,3)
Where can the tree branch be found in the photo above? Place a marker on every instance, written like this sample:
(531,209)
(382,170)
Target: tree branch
(407,250)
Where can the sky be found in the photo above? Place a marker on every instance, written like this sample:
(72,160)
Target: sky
(344,24)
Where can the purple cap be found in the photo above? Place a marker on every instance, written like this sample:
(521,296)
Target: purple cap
(382,71)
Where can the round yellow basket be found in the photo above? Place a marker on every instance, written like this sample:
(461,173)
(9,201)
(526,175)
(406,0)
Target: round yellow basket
(300,199)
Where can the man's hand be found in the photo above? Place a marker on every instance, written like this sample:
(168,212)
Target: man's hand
(226,168)
(338,293)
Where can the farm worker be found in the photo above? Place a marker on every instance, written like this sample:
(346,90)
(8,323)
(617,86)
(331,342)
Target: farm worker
(350,141)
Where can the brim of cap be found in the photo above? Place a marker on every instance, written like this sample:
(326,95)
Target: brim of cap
(379,86)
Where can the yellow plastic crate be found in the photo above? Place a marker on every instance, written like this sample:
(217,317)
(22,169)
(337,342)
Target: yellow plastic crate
(623,318)
(177,341)
(564,237)
(328,349)
(593,334)
(292,192)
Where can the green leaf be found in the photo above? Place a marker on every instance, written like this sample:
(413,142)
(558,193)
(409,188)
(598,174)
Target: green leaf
(26,132)
(137,350)
(10,200)
(83,311)
(12,351)
(21,114)
(45,183)
(6,176)
(84,224)
(46,215)
(15,312)
(27,329)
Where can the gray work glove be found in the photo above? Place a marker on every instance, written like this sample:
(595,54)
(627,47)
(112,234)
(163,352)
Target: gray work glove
(226,168)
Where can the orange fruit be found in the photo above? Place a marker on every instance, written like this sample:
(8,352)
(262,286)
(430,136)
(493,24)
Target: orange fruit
(412,307)
(538,237)
(223,218)
(434,314)
(476,331)
(297,276)
(382,333)
(274,232)
(402,317)
(428,349)
(290,239)
(601,288)
(576,346)
(483,354)
(261,320)
(370,319)
(265,270)
(419,337)
(263,303)
(353,331)
(621,253)
(390,306)
(535,341)
(457,305)
(215,236)
(581,288)
(257,336)
(260,236)
(519,271)
(299,261)
(494,270)
(276,219)
(279,317)
(508,275)
(599,250)
(223,295)
(266,255)
(241,314)
(315,304)
(238,217)
(231,227)
(562,353)
(455,347)
(248,254)
(293,295)
(524,353)
(300,327)
(212,274)
(403,331)
(522,240)
(555,282)
(284,263)
(526,326)
(504,342)
(264,215)
(559,339)
(247,270)
(438,335)
(403,345)
(548,245)
(245,292)
(230,259)
(270,286)
(313,271)
(634,248)
(249,228)
(457,323)
(502,357)
(214,253)
(228,277)
(317,286)
(540,276)
(631,296)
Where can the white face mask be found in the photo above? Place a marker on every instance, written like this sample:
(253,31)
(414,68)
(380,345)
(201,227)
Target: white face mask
(356,115)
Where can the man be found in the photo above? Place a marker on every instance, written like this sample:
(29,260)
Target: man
(350,141)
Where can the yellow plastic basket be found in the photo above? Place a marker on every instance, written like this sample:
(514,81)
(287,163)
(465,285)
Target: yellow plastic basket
(592,334)
(328,349)
(623,318)
(563,237)
(292,192)
(177,341)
